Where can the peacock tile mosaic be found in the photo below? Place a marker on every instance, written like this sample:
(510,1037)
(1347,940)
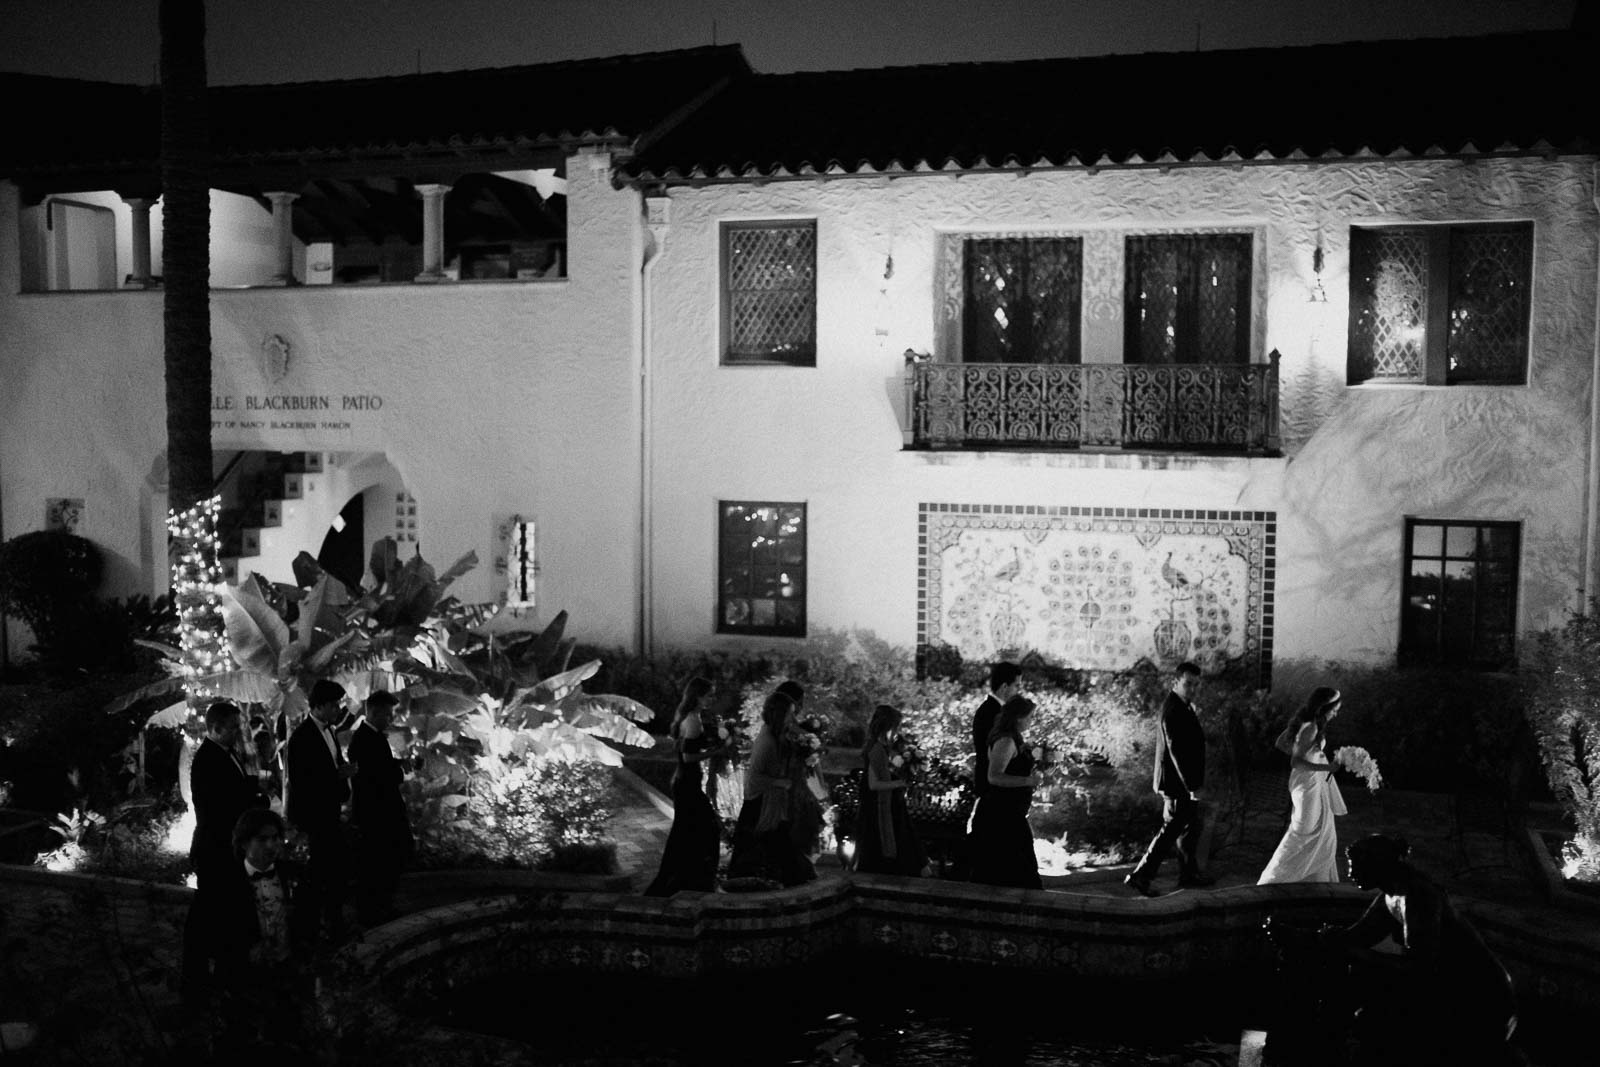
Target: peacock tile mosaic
(1097,588)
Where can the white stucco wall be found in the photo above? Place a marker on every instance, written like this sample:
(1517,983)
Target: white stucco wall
(1357,459)
(496,398)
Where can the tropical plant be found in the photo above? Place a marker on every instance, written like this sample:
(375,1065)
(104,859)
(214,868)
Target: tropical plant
(1562,690)
(48,580)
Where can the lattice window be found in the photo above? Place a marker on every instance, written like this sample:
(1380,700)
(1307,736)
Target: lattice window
(1489,282)
(1440,305)
(762,568)
(1023,300)
(1460,593)
(1187,298)
(769,292)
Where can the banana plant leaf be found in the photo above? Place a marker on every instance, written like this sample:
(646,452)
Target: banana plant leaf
(160,688)
(618,705)
(612,727)
(166,650)
(256,634)
(246,685)
(170,717)
(552,689)
(561,741)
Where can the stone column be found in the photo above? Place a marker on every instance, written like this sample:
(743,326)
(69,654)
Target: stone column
(283,227)
(140,269)
(432,232)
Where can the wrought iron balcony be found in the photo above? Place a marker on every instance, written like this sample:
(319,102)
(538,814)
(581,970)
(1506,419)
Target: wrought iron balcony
(1203,407)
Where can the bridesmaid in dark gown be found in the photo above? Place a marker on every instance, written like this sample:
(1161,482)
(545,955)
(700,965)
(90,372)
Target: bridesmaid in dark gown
(689,860)
(886,843)
(1002,842)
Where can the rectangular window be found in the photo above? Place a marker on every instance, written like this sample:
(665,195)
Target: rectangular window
(1187,298)
(769,293)
(1440,305)
(1460,603)
(761,562)
(1023,300)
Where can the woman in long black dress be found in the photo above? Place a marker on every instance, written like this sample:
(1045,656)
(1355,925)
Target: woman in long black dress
(1002,843)
(763,844)
(690,858)
(885,840)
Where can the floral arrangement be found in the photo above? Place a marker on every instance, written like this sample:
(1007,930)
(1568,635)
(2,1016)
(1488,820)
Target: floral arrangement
(1359,761)
(807,739)
(733,735)
(907,758)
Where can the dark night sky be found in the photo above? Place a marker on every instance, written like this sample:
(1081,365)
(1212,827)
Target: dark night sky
(296,40)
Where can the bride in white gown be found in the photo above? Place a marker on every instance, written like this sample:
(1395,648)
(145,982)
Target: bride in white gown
(1309,850)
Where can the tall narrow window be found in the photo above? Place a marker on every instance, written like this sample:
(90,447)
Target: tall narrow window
(1460,593)
(769,293)
(1023,300)
(1440,305)
(762,568)
(1187,298)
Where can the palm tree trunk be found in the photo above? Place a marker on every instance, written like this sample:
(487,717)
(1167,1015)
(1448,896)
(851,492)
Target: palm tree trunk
(186,251)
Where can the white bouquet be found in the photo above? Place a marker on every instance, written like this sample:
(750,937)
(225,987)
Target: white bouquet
(1359,762)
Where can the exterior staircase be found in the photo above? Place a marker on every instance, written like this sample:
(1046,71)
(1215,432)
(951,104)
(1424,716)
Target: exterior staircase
(267,484)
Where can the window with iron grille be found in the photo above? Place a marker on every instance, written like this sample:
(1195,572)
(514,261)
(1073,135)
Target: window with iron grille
(761,563)
(1440,305)
(769,292)
(1460,604)
(1023,300)
(1187,298)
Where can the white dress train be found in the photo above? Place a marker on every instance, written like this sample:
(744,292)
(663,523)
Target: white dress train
(1309,851)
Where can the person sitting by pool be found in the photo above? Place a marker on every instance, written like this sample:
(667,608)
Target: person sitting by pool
(1444,998)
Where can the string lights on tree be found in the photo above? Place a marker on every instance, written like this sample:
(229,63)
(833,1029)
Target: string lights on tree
(196,573)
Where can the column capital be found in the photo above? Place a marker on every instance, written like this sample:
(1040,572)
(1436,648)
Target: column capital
(283,198)
(432,190)
(140,203)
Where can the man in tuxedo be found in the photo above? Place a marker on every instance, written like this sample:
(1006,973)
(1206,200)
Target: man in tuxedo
(318,786)
(378,811)
(1004,683)
(259,925)
(1180,773)
(220,791)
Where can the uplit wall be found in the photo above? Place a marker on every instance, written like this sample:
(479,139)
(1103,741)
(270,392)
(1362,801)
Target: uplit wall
(1357,459)
(490,399)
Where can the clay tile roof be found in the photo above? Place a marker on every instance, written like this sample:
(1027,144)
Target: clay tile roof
(1514,93)
(621,99)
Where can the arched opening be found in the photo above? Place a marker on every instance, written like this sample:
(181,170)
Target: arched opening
(330,505)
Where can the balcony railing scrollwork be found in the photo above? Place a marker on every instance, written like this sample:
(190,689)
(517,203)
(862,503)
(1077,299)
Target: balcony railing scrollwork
(1203,407)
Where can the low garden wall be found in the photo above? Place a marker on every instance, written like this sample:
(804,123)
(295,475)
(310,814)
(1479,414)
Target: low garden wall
(422,959)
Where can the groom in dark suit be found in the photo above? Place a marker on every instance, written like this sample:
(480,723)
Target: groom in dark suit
(1003,685)
(378,811)
(314,795)
(1180,773)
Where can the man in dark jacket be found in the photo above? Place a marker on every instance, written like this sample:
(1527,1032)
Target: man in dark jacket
(318,786)
(378,811)
(1003,685)
(220,791)
(1180,773)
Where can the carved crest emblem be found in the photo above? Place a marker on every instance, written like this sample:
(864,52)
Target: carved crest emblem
(275,352)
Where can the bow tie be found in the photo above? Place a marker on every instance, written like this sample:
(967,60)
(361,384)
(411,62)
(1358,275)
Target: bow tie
(270,872)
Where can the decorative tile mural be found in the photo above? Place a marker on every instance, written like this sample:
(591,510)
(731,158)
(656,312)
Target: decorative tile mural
(1097,588)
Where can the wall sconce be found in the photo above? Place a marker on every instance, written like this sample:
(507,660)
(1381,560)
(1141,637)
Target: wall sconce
(522,565)
(1319,295)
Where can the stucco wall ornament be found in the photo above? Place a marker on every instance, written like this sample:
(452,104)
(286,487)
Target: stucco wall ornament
(275,352)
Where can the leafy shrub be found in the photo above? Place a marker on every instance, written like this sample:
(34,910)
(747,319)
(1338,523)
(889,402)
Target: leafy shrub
(48,580)
(1562,692)
(1105,821)
(543,813)
(130,843)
